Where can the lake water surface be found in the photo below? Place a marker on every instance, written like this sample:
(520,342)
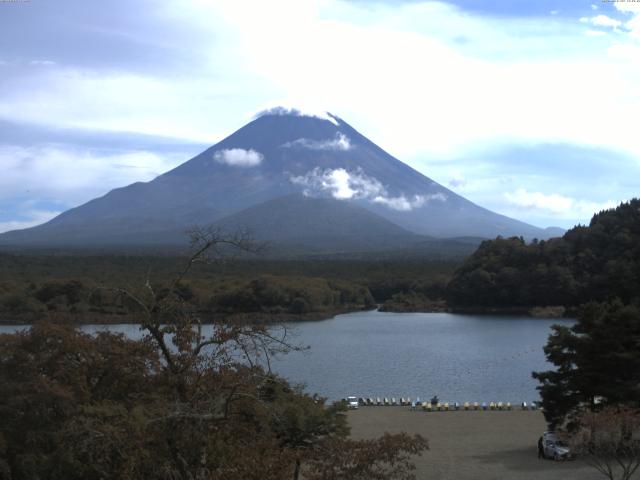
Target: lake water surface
(458,357)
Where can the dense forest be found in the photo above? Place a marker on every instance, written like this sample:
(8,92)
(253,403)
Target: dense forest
(589,263)
(85,288)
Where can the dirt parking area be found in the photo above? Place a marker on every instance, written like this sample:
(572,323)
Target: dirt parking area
(472,445)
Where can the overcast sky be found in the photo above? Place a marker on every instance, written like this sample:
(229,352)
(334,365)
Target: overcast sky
(529,110)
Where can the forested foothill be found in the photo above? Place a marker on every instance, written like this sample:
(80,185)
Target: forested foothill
(82,287)
(589,263)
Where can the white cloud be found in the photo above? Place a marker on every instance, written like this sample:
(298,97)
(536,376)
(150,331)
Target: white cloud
(405,204)
(628,7)
(340,142)
(63,97)
(556,205)
(298,111)
(553,203)
(344,185)
(632,25)
(340,183)
(605,21)
(252,66)
(238,157)
(38,182)
(71,176)
(440,197)
(41,63)
(503,57)
(453,82)
(626,52)
(594,7)
(457,181)
(34,217)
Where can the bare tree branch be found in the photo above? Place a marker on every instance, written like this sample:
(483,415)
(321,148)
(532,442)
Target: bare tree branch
(609,439)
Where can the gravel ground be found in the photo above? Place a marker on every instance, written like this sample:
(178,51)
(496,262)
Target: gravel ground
(473,445)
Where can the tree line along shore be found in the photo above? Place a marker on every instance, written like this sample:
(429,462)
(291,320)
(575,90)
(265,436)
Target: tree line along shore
(85,288)
(597,262)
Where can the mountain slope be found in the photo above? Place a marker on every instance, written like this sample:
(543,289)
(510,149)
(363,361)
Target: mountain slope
(295,223)
(278,154)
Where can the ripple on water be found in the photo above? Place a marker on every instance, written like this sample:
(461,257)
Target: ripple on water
(458,357)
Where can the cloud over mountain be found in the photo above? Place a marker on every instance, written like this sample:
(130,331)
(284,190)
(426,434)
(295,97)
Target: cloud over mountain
(342,184)
(297,112)
(340,142)
(238,157)
(405,204)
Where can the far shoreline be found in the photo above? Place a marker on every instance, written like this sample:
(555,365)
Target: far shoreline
(550,311)
(207,318)
(278,318)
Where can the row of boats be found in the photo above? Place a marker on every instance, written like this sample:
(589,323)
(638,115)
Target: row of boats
(431,406)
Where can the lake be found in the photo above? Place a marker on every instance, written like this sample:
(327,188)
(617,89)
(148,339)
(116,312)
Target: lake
(457,357)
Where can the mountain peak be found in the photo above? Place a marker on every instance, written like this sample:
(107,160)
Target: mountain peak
(283,151)
(298,112)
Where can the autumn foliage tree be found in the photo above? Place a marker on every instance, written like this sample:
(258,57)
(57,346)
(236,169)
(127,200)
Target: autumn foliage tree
(186,402)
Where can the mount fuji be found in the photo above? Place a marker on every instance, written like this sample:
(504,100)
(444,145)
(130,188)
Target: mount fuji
(312,183)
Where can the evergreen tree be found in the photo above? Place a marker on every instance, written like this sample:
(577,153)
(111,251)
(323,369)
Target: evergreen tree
(594,263)
(597,362)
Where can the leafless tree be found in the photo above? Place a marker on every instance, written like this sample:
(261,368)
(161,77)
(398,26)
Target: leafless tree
(172,322)
(175,325)
(609,440)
